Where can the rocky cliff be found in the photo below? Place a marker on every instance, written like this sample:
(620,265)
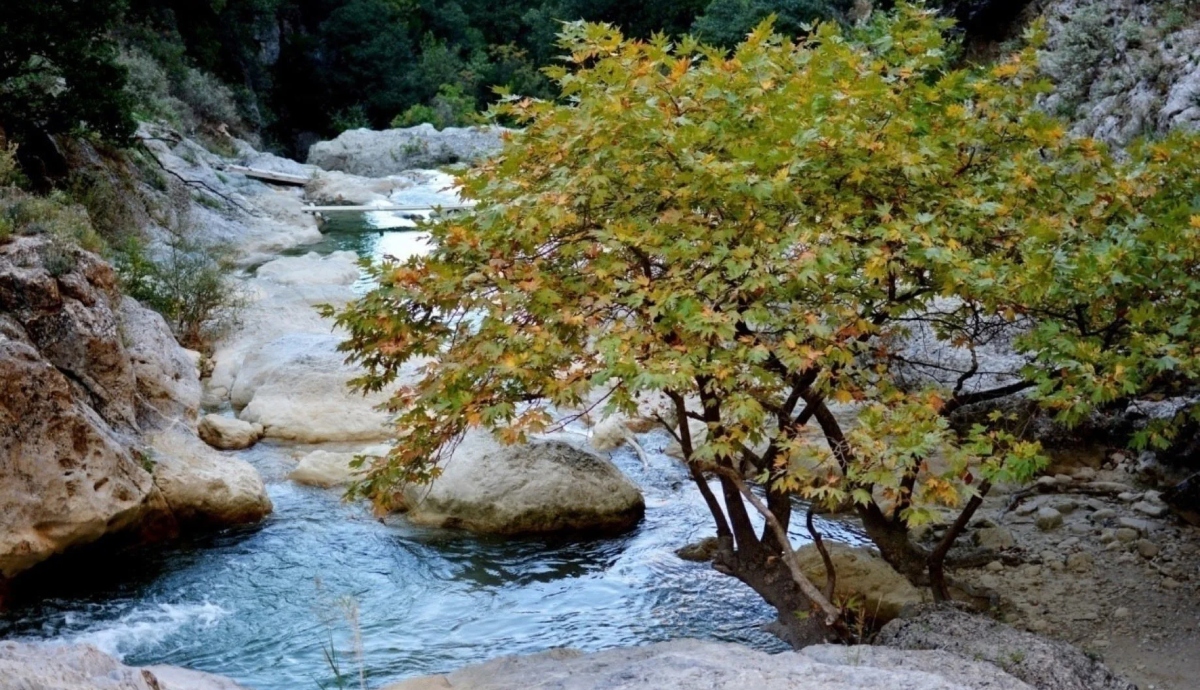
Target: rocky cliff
(92,388)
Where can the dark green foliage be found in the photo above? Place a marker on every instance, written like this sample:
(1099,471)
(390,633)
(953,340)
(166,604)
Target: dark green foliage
(311,68)
(58,73)
(727,22)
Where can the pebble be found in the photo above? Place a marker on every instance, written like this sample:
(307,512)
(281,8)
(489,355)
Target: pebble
(1085,474)
(1046,481)
(1068,544)
(1065,506)
(1062,479)
(1147,548)
(1127,534)
(1153,496)
(995,566)
(1130,496)
(1170,583)
(1121,612)
(1136,523)
(996,538)
(1151,509)
(1080,528)
(1080,562)
(1028,508)
(1102,515)
(1048,519)
(1052,560)
(1112,487)
(1108,535)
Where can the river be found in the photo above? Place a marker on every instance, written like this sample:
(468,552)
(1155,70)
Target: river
(324,584)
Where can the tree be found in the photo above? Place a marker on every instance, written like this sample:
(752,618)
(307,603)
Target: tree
(759,237)
(59,70)
(726,22)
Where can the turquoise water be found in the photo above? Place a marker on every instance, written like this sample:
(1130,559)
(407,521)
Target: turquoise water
(322,578)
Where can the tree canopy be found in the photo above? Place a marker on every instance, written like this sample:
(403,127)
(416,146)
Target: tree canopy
(760,237)
(58,69)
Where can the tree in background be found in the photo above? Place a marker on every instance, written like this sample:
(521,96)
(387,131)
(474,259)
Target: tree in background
(757,237)
(59,74)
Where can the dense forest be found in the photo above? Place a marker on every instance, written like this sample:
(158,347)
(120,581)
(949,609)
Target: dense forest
(295,71)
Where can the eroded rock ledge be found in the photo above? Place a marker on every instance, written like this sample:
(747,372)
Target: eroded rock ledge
(96,402)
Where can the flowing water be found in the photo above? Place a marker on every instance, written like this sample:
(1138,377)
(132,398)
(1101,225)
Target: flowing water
(323,584)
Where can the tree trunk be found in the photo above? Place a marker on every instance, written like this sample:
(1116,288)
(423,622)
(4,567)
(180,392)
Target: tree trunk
(768,576)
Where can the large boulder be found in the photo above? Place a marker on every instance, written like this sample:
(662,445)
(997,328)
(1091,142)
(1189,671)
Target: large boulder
(1043,663)
(372,153)
(328,469)
(297,388)
(228,433)
(66,478)
(68,398)
(723,666)
(883,591)
(83,667)
(84,373)
(537,487)
(204,488)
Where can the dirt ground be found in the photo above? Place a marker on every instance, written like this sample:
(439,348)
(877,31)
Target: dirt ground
(1106,569)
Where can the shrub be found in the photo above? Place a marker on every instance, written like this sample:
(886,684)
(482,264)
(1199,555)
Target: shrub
(450,108)
(54,216)
(188,282)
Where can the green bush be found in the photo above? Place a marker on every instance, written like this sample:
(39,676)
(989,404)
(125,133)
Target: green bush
(450,108)
(186,281)
(54,216)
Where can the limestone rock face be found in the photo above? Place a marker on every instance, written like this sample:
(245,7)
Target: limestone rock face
(1123,68)
(204,488)
(168,383)
(228,433)
(1042,663)
(724,666)
(297,388)
(66,478)
(372,153)
(68,393)
(83,667)
(539,487)
(884,591)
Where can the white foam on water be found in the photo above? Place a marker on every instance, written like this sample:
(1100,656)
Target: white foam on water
(146,627)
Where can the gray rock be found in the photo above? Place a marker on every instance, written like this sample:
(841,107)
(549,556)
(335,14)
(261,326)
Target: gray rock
(380,153)
(1048,519)
(228,433)
(996,538)
(1042,663)
(1126,535)
(702,551)
(545,485)
(688,664)
(1147,548)
(83,667)
(1080,562)
(1151,509)
(1142,526)
(1102,515)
